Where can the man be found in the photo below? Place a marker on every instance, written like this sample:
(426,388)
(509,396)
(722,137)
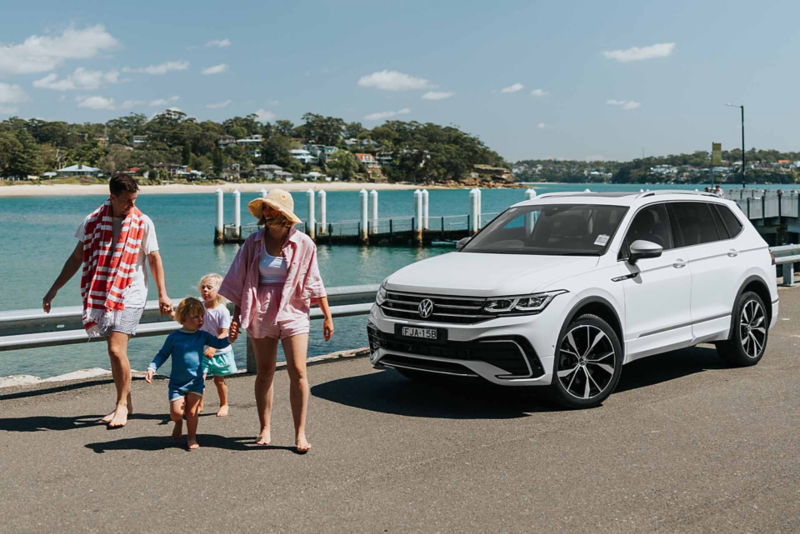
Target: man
(719,192)
(113,243)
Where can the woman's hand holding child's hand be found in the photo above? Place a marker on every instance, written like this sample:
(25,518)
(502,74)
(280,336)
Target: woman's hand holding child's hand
(149,376)
(233,334)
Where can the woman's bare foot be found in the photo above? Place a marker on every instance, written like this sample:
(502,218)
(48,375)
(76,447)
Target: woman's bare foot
(223,411)
(193,445)
(107,419)
(177,430)
(302,444)
(264,437)
(120,417)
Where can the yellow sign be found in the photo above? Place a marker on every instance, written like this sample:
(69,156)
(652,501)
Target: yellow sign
(716,153)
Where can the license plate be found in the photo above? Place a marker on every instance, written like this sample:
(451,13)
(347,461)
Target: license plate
(421,333)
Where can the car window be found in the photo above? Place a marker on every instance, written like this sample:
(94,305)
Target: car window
(732,222)
(651,224)
(694,222)
(555,229)
(723,231)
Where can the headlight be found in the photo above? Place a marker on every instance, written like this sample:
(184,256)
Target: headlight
(381,296)
(525,304)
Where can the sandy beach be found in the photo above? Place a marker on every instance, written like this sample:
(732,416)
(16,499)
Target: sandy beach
(102,189)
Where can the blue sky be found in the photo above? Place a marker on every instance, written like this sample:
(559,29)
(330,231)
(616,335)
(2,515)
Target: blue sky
(577,80)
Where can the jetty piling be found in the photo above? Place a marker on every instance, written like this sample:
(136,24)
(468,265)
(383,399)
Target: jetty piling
(311,226)
(323,220)
(219,231)
(263,193)
(362,228)
(530,218)
(373,198)
(418,216)
(425,205)
(237,214)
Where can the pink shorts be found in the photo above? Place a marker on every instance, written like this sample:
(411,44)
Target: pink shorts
(262,323)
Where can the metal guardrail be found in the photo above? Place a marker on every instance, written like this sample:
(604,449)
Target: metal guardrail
(28,329)
(787,256)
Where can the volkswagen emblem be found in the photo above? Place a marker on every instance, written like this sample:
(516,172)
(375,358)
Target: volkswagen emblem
(425,308)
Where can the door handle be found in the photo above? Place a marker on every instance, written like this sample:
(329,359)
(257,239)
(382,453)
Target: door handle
(732,253)
(679,264)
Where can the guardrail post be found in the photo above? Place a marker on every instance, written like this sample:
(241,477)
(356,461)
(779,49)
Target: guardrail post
(763,207)
(788,274)
(237,215)
(311,227)
(323,219)
(362,226)
(425,221)
(748,207)
(373,198)
(219,231)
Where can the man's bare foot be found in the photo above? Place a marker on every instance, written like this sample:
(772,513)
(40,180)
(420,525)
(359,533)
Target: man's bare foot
(264,437)
(193,445)
(223,411)
(302,444)
(120,418)
(177,431)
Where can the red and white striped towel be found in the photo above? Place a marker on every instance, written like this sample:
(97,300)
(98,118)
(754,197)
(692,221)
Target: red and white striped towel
(107,266)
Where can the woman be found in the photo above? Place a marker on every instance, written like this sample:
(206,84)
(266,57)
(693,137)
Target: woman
(272,282)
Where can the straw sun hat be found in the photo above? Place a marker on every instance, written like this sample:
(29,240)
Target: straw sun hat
(277,199)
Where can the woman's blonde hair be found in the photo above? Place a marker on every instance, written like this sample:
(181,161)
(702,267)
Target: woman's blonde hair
(279,220)
(188,307)
(215,280)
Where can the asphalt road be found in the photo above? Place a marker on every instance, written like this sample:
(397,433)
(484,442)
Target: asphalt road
(684,445)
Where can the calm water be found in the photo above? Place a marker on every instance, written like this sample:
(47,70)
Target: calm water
(38,234)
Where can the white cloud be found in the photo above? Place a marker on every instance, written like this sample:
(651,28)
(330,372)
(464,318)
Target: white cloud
(219,105)
(385,114)
(11,94)
(163,101)
(95,102)
(87,80)
(437,95)
(132,104)
(539,92)
(161,68)
(45,53)
(265,116)
(219,43)
(635,53)
(624,104)
(541,125)
(7,110)
(390,80)
(513,88)
(216,69)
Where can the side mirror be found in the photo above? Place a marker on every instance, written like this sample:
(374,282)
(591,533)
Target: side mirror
(641,249)
(462,243)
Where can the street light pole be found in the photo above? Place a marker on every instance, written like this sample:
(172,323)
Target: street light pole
(744,181)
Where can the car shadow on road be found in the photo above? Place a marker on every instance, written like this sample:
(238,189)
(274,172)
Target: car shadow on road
(49,422)
(389,392)
(669,366)
(160,443)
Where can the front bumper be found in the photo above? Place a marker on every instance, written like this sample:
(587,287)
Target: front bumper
(509,351)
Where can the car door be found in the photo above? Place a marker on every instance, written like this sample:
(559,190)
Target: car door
(657,290)
(714,264)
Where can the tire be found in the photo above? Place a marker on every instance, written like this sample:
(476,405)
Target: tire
(588,363)
(749,332)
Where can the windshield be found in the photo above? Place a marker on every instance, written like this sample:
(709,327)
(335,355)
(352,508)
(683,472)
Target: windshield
(552,230)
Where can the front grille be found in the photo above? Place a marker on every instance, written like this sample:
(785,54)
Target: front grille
(512,354)
(446,309)
(417,364)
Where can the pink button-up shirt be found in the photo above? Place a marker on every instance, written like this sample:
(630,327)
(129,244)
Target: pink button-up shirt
(303,282)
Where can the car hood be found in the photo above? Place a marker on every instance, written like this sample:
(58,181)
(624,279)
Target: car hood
(487,275)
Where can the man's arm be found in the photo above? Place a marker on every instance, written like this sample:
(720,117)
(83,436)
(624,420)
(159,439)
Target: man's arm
(157,268)
(71,267)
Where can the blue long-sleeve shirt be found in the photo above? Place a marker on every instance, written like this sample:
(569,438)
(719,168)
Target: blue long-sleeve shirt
(186,349)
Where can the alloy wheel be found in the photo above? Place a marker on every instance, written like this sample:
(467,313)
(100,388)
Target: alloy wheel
(587,362)
(752,330)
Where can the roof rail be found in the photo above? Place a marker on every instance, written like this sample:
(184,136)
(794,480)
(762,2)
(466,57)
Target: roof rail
(674,192)
(563,194)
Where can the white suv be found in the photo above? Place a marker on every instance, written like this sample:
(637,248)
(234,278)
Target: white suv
(563,290)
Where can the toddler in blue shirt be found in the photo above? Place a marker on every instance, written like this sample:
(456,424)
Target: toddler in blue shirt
(186,380)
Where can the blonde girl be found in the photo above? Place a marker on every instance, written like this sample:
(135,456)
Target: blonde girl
(217,321)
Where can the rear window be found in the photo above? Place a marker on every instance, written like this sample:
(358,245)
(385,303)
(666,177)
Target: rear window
(732,223)
(695,223)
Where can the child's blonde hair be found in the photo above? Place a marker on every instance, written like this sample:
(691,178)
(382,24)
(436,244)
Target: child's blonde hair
(214,280)
(188,307)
